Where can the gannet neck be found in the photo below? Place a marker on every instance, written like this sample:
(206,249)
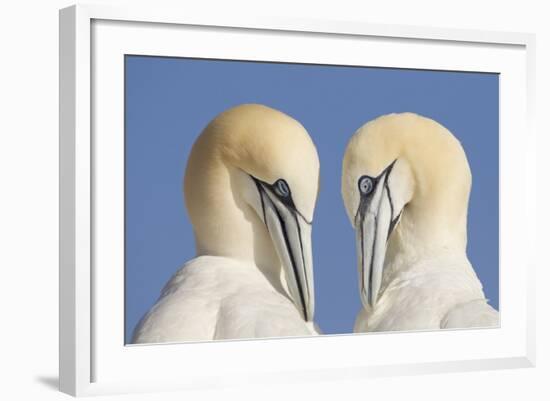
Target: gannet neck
(416,239)
(223,223)
(434,220)
(429,231)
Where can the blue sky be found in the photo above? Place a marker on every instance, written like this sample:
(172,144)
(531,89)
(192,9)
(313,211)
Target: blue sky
(170,100)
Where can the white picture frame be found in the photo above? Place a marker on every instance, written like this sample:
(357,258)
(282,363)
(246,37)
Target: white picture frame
(93,357)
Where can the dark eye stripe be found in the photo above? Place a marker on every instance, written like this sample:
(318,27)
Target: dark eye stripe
(366,185)
(274,189)
(281,188)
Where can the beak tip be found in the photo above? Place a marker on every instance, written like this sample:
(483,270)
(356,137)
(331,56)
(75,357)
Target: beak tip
(368,300)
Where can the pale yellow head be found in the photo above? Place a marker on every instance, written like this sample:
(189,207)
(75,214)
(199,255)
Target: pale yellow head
(415,194)
(250,189)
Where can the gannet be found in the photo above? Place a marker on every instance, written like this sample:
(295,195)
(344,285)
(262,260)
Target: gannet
(406,185)
(250,189)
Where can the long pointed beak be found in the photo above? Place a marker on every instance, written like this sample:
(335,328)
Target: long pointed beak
(373,225)
(291,235)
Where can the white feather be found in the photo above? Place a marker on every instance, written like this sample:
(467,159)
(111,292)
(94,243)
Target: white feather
(438,292)
(212,298)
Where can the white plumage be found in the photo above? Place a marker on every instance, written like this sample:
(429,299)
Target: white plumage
(441,292)
(219,298)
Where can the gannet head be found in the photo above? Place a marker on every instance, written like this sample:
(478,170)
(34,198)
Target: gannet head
(405,183)
(255,162)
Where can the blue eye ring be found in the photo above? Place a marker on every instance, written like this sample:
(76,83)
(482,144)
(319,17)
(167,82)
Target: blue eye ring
(365,184)
(281,188)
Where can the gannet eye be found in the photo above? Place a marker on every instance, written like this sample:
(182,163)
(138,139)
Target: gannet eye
(281,188)
(365,185)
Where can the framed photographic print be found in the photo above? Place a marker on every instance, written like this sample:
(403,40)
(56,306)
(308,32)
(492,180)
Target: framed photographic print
(276,200)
